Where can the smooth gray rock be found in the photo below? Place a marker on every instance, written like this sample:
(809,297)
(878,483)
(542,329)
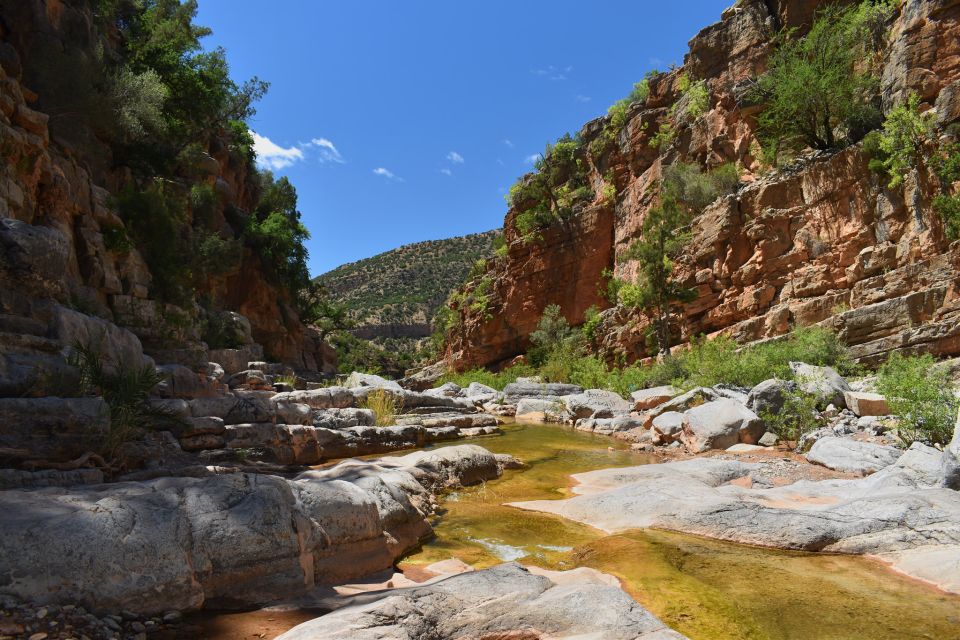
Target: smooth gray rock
(222,540)
(596,403)
(823,382)
(505,601)
(182,382)
(667,427)
(475,389)
(357,379)
(768,396)
(343,418)
(769,439)
(609,426)
(852,456)
(448,390)
(720,424)
(323,398)
(516,391)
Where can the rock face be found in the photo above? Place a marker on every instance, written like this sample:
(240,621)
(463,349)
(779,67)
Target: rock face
(225,540)
(62,279)
(825,241)
(900,513)
(506,601)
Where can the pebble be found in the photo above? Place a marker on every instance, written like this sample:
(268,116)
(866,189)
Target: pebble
(173,617)
(42,614)
(111,624)
(38,636)
(137,627)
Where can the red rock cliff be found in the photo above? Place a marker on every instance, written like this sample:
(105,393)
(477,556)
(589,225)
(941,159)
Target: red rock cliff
(824,241)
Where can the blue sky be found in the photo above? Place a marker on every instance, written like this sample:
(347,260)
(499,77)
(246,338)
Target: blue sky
(406,121)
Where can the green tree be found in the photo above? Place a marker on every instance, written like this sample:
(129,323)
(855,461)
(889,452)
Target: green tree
(816,87)
(920,394)
(320,311)
(685,191)
(274,230)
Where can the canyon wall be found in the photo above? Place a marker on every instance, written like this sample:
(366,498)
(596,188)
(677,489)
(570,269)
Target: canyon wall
(823,240)
(63,276)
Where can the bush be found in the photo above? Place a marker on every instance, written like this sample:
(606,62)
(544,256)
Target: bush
(385,406)
(137,100)
(496,380)
(125,387)
(797,417)
(696,98)
(948,208)
(905,130)
(815,86)
(920,394)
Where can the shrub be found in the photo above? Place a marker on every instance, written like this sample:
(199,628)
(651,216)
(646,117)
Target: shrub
(814,86)
(496,380)
(797,417)
(904,131)
(920,394)
(125,387)
(385,406)
(617,116)
(696,98)
(214,255)
(948,208)
(664,136)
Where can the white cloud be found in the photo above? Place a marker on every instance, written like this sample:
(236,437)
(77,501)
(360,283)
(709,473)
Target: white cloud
(386,173)
(455,157)
(532,158)
(582,98)
(446,172)
(328,151)
(552,72)
(273,156)
(508,143)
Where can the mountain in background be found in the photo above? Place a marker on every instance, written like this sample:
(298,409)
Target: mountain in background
(393,296)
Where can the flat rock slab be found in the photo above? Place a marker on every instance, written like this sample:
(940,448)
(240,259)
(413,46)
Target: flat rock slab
(649,398)
(505,601)
(900,514)
(852,456)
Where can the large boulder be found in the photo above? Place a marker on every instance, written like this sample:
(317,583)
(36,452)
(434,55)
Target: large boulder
(951,460)
(823,382)
(506,601)
(852,456)
(720,424)
(231,540)
(769,396)
(237,408)
(596,403)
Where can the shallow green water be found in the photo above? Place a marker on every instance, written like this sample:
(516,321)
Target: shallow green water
(708,590)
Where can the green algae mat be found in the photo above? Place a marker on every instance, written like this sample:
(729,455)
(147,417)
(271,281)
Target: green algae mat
(705,589)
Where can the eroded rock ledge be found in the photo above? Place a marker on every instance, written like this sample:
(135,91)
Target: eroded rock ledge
(236,539)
